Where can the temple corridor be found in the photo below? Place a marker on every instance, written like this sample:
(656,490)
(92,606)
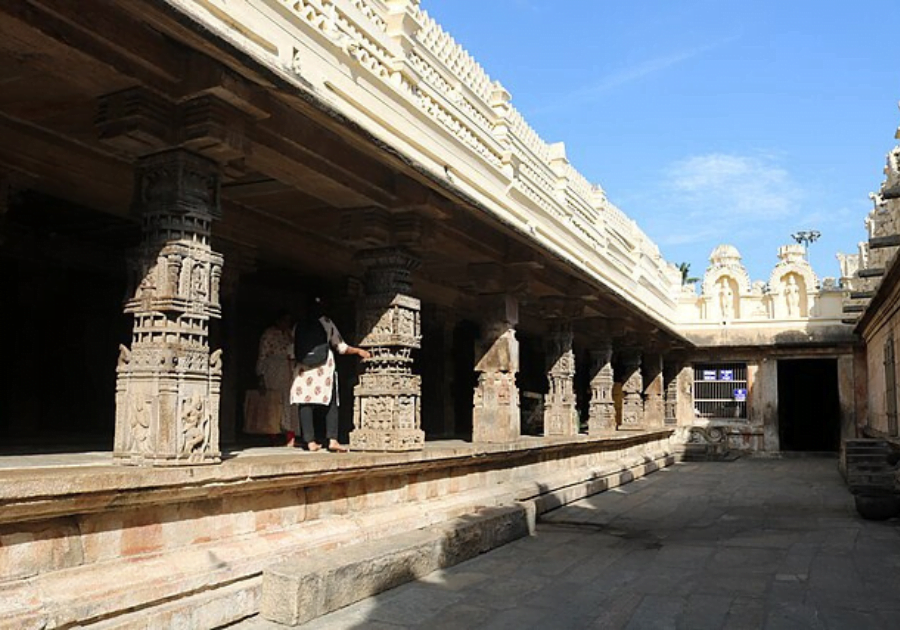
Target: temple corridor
(755,543)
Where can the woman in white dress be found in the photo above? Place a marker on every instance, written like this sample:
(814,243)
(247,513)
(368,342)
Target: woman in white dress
(274,370)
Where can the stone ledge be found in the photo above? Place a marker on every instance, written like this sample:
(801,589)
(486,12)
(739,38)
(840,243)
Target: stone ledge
(298,590)
(31,494)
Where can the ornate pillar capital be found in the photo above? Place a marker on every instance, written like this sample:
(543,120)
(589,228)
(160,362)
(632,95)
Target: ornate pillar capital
(137,122)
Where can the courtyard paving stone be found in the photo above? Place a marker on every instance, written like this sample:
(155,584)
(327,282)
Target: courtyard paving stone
(755,543)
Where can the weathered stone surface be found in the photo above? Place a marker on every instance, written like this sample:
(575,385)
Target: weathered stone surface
(298,590)
(560,413)
(495,413)
(602,409)
(632,389)
(387,410)
(167,391)
(198,530)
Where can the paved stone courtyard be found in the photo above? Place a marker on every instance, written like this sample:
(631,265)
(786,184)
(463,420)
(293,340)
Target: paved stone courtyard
(755,543)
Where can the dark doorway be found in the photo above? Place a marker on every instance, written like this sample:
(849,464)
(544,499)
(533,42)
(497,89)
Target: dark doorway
(63,275)
(808,405)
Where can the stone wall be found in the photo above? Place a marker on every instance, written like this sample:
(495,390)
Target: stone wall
(108,546)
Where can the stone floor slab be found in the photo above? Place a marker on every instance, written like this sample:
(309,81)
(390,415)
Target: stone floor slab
(741,545)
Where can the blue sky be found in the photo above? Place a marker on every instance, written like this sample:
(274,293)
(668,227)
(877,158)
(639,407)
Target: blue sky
(707,121)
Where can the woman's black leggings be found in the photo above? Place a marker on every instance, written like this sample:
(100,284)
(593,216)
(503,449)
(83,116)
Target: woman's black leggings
(307,415)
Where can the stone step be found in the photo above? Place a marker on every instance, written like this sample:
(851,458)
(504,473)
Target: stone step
(301,589)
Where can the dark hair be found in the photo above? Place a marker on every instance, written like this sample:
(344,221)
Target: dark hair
(314,306)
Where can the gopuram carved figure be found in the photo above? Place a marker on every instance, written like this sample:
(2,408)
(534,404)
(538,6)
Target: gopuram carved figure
(792,297)
(726,299)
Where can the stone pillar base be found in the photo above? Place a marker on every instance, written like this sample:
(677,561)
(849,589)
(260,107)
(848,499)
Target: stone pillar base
(495,415)
(391,441)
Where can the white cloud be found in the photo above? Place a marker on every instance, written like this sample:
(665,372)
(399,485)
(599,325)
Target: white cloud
(752,201)
(594,91)
(720,187)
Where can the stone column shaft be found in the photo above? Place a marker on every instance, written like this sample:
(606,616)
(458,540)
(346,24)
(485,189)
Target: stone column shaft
(495,414)
(387,410)
(167,389)
(632,388)
(654,404)
(602,408)
(560,413)
(671,371)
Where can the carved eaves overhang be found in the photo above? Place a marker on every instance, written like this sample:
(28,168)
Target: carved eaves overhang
(885,304)
(150,77)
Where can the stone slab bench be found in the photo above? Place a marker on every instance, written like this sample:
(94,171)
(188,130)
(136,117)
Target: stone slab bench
(300,589)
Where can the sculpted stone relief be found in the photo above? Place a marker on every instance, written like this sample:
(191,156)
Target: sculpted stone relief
(602,410)
(560,415)
(792,296)
(632,389)
(387,410)
(168,382)
(793,290)
(891,187)
(726,298)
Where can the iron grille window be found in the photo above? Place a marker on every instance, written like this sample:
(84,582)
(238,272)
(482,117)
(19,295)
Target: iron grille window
(890,385)
(720,390)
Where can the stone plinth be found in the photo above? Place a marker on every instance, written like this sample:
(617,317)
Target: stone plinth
(387,411)
(167,389)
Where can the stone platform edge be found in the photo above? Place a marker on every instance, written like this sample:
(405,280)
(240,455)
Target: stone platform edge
(39,493)
(190,586)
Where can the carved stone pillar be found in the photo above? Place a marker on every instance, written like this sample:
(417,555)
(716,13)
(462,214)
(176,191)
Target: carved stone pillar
(560,413)
(602,409)
(679,377)
(167,389)
(495,414)
(670,373)
(632,388)
(654,404)
(387,413)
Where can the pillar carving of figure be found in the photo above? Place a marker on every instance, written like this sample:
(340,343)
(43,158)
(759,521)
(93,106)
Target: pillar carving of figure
(167,387)
(632,388)
(387,413)
(495,414)
(654,404)
(792,297)
(602,409)
(560,413)
(726,299)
